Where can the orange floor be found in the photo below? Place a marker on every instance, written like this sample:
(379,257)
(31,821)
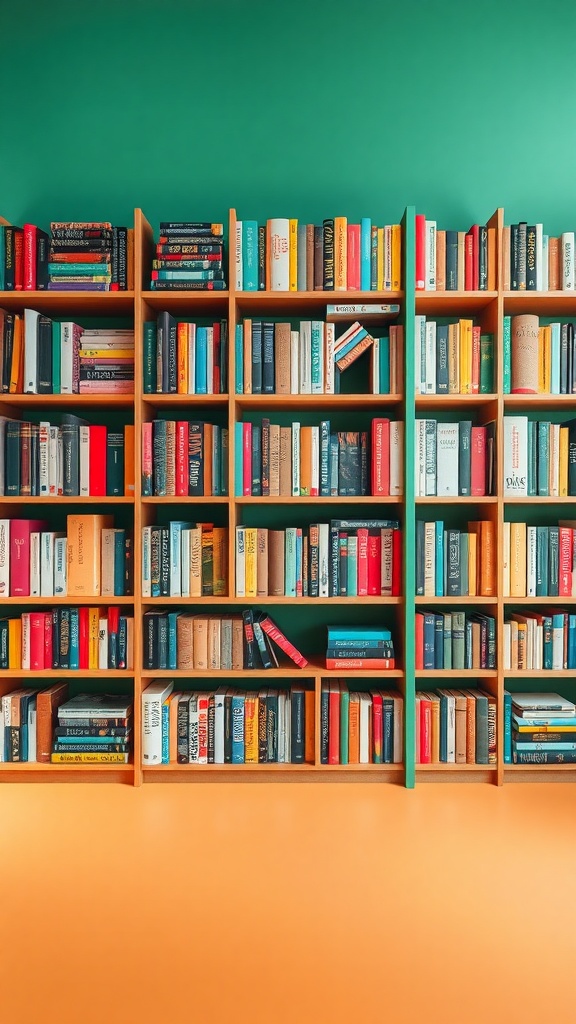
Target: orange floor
(287,903)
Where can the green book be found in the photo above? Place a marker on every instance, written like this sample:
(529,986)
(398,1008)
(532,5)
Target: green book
(56,356)
(448,640)
(458,641)
(149,357)
(344,723)
(486,364)
(543,461)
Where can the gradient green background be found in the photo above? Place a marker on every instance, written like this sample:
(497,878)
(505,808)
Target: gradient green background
(305,109)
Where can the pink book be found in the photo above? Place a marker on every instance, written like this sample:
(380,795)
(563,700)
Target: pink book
(147,459)
(20,530)
(353,276)
(380,456)
(478,462)
(182,457)
(48,652)
(37,640)
(247,459)
(362,562)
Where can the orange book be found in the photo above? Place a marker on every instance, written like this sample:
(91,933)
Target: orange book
(396,257)
(465,356)
(553,265)
(182,359)
(15,644)
(207,460)
(340,253)
(84,553)
(200,641)
(491,278)
(47,704)
(440,261)
(305,461)
(309,726)
(470,726)
(251,728)
(354,729)
(129,464)
(475,369)
(472,568)
(16,370)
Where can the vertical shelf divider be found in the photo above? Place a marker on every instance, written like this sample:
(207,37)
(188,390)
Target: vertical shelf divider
(409,545)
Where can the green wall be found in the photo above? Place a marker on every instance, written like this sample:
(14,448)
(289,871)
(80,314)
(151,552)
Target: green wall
(307,108)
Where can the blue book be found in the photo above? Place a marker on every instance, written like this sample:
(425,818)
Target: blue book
(238,459)
(438,641)
(572,641)
(238,728)
(166,732)
(351,343)
(507,375)
(25,701)
(249,256)
(542,562)
(317,344)
(298,558)
(533,723)
(439,527)
(333,465)
(74,638)
(172,640)
(357,633)
(507,727)
(56,356)
(555,354)
(119,562)
(201,361)
(429,639)
(384,366)
(216,449)
(365,253)
(239,358)
(442,359)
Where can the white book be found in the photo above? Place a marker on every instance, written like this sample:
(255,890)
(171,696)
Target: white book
(545,257)
(530,705)
(279,254)
(329,369)
(53,460)
(557,649)
(66,358)
(210,360)
(515,456)
(32,730)
(31,352)
(315,461)
(219,697)
(420,354)
(539,258)
(568,270)
(323,559)
(430,256)
(430,357)
(507,649)
(431,457)
(318,332)
(429,559)
(396,457)
(387,257)
(47,546)
(375,366)
(240,561)
(25,619)
(43,459)
(34,565)
(175,549)
(447,446)
(4,559)
(450,726)
(107,562)
(84,444)
(506,559)
(185,562)
(60,566)
(153,698)
(420,459)
(102,643)
(193,730)
(6,719)
(146,561)
(294,362)
(554,460)
(238,267)
(295,460)
(191,359)
(365,706)
(305,357)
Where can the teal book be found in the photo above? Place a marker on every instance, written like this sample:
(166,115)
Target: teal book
(357,633)
(201,376)
(542,571)
(555,359)
(317,345)
(119,562)
(543,458)
(507,372)
(344,724)
(298,562)
(482,740)
(239,359)
(458,643)
(74,638)
(239,459)
(507,727)
(443,728)
(486,364)
(172,639)
(237,712)
(352,567)
(532,458)
(56,357)
(365,253)
(547,654)
(166,732)
(373,258)
(149,357)
(384,366)
(290,562)
(464,564)
(249,256)
(464,458)
(55,269)
(351,343)
(439,550)
(215,456)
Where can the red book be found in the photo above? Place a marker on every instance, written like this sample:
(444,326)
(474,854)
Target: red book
(29,257)
(469,262)
(353,255)
(20,530)
(374,565)
(37,628)
(419,645)
(420,251)
(334,664)
(203,727)
(425,732)
(565,557)
(181,478)
(362,586)
(275,634)
(396,563)
(417,703)
(247,459)
(380,457)
(475,232)
(18,259)
(216,342)
(377,728)
(97,481)
(475,382)
(83,628)
(48,651)
(334,724)
(478,462)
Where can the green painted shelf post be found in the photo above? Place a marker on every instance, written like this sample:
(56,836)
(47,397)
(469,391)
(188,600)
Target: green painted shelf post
(409,223)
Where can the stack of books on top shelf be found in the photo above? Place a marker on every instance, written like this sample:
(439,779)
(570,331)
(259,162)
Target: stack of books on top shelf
(454,260)
(89,256)
(543,729)
(455,727)
(360,727)
(283,256)
(539,458)
(189,256)
(533,261)
(182,358)
(538,359)
(93,729)
(360,647)
(453,359)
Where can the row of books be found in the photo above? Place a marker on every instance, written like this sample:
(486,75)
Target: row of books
(360,647)
(67,638)
(277,359)
(227,726)
(455,563)
(454,260)
(284,255)
(184,559)
(533,261)
(182,358)
(539,359)
(182,252)
(539,458)
(455,640)
(304,461)
(454,459)
(540,640)
(91,256)
(543,729)
(456,727)
(181,457)
(455,359)
(92,559)
(342,558)
(71,459)
(539,561)
(213,643)
(360,726)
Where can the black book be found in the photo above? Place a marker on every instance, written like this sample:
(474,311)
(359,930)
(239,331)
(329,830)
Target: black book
(328,255)
(167,344)
(44,355)
(387,730)
(150,640)
(272,726)
(70,432)
(7,350)
(12,465)
(164,561)
(196,459)
(451,261)
(318,257)
(55,638)
(438,641)
(531,258)
(4,643)
(115,463)
(182,718)
(268,367)
(122,641)
(250,648)
(297,726)
(228,727)
(324,705)
(514,244)
(42,259)
(349,464)
(122,259)
(64,638)
(98,246)
(262,257)
(9,257)
(163,641)
(256,357)
(453,558)
(34,460)
(262,727)
(114,261)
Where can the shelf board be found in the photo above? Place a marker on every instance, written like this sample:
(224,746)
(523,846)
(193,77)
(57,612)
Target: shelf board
(456,673)
(82,303)
(40,766)
(181,499)
(314,401)
(366,500)
(72,600)
(243,601)
(66,400)
(453,303)
(286,769)
(539,600)
(543,303)
(465,599)
(64,499)
(278,302)
(546,768)
(539,401)
(67,673)
(548,673)
(537,500)
(315,667)
(440,766)
(453,401)
(200,302)
(156,399)
(459,500)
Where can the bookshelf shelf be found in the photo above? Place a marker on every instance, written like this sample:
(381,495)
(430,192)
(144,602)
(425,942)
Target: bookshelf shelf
(315,667)
(190,304)
(64,601)
(453,303)
(539,600)
(458,673)
(537,500)
(68,400)
(539,401)
(529,673)
(543,303)
(182,499)
(243,601)
(440,766)
(459,500)
(68,673)
(80,303)
(341,500)
(420,599)
(272,402)
(280,302)
(453,401)
(178,400)
(64,499)
(37,767)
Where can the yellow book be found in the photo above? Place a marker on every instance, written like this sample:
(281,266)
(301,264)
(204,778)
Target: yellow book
(17,354)
(293,255)
(220,561)
(251,535)
(472,543)
(251,728)
(182,359)
(93,624)
(466,357)
(89,758)
(340,253)
(380,260)
(435,701)
(453,359)
(396,257)
(196,562)
(541,362)
(106,353)
(547,359)
(517,559)
(14,643)
(563,481)
(84,547)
